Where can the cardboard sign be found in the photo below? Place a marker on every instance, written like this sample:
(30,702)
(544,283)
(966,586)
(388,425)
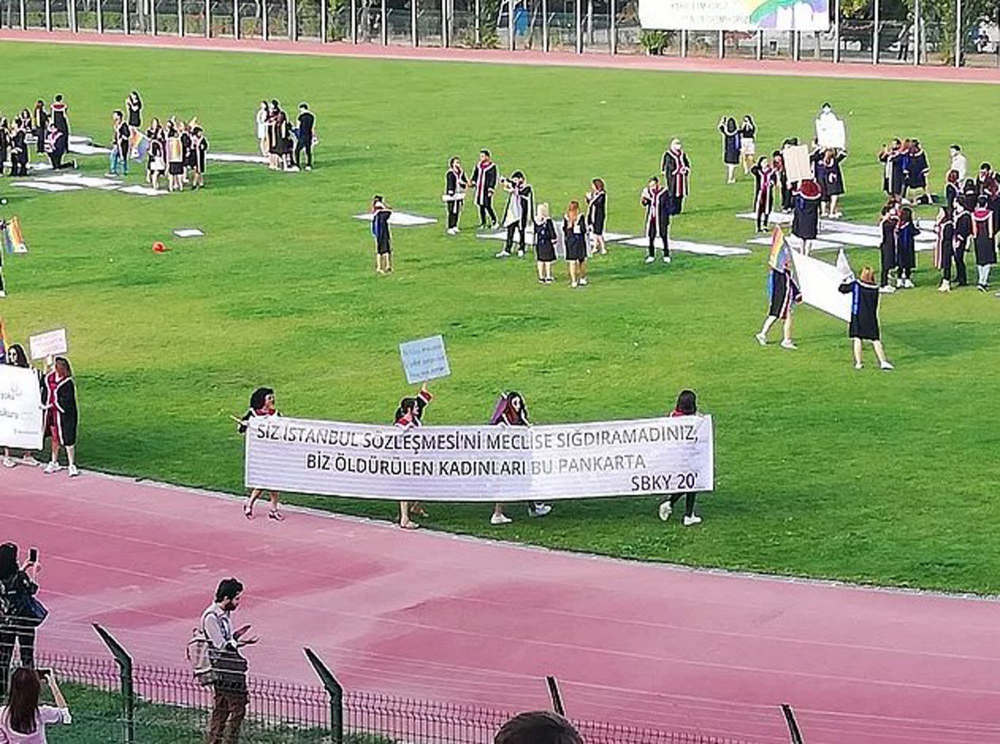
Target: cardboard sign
(424,359)
(797,164)
(48,344)
(21,414)
(831,132)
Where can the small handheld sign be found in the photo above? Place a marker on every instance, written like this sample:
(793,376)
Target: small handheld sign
(48,344)
(424,359)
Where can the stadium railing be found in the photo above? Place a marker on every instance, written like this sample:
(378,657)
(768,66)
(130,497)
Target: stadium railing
(116,701)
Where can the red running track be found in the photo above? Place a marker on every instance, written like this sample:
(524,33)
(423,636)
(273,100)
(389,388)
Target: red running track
(445,618)
(501,56)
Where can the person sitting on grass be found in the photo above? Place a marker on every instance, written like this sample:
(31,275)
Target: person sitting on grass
(687,405)
(537,727)
(23,720)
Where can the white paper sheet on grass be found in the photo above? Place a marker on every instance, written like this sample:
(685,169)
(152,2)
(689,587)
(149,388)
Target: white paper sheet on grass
(191,232)
(42,186)
(401,219)
(143,191)
(226,157)
(776,218)
(687,246)
(529,236)
(88,149)
(77,179)
(820,285)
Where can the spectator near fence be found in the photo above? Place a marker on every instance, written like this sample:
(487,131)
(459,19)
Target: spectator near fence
(540,727)
(228,675)
(22,719)
(22,613)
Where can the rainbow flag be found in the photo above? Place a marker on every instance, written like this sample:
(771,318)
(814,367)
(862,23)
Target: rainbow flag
(138,144)
(13,238)
(3,342)
(780,256)
(5,239)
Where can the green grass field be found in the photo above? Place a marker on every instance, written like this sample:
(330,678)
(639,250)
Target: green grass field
(821,471)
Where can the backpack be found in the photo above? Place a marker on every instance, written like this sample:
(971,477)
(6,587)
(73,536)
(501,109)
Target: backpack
(197,653)
(211,666)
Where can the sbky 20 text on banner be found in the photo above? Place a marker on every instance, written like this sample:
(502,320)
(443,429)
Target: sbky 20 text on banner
(481,463)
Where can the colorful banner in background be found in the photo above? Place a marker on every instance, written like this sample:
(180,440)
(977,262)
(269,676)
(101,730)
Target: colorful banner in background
(735,15)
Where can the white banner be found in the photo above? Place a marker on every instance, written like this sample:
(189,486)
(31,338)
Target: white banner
(733,15)
(21,422)
(820,285)
(481,463)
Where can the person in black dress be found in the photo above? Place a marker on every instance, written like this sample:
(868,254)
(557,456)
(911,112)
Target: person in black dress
(545,244)
(517,212)
(687,405)
(887,248)
(19,150)
(748,143)
(484,182)
(199,150)
(952,192)
(304,136)
(4,142)
(380,231)
(893,178)
(985,242)
(56,147)
(511,410)
(575,234)
(657,202)
(864,316)
(60,115)
(597,203)
(676,170)
(831,181)
(730,146)
(944,247)
(963,231)
(455,184)
(40,123)
(906,248)
(133,107)
(917,169)
(805,218)
(156,153)
(783,294)
(765,179)
(120,133)
(261,406)
(61,415)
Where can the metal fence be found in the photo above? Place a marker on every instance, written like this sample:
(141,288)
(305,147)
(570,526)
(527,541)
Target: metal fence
(914,32)
(115,701)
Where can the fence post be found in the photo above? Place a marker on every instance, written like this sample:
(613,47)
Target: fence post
(126,21)
(152,17)
(760,44)
(684,43)
(324,10)
(208,19)
(48,15)
(545,25)
(836,31)
(793,725)
(414,41)
(875,32)
(293,20)
(24,17)
(385,27)
(555,695)
(444,24)
(354,21)
(180,19)
(73,25)
(958,33)
(613,23)
(722,44)
(336,693)
(124,662)
(264,31)
(100,16)
(916,32)
(236,19)
(579,26)
(478,34)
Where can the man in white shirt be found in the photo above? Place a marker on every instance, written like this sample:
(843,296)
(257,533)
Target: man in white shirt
(958,162)
(229,668)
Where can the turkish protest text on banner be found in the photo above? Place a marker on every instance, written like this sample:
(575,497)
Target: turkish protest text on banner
(735,15)
(48,344)
(424,359)
(21,423)
(481,463)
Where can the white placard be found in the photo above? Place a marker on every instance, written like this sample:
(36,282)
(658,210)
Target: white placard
(820,283)
(831,132)
(797,164)
(48,344)
(729,15)
(21,420)
(424,359)
(481,463)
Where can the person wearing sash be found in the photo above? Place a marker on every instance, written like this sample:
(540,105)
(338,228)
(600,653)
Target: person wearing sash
(383,238)
(61,414)
(963,232)
(676,170)
(765,178)
(906,248)
(511,410)
(657,202)
(944,247)
(831,181)
(887,248)
(60,115)
(597,201)
(805,218)
(984,240)
(261,406)
(410,414)
(455,184)
(199,149)
(864,325)
(517,212)
(484,182)
(40,123)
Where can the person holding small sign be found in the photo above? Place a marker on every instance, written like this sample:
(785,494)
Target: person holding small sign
(261,405)
(62,415)
(411,413)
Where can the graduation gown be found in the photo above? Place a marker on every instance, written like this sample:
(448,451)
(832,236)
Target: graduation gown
(982,230)
(596,211)
(676,170)
(455,184)
(783,293)
(62,414)
(864,310)
(730,145)
(576,238)
(887,248)
(830,177)
(484,180)
(805,220)
(916,170)
(906,252)
(658,211)
(380,230)
(545,241)
(765,180)
(520,206)
(944,246)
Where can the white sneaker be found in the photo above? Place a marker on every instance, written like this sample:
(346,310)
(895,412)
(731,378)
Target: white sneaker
(761,339)
(52,467)
(9,463)
(650,259)
(573,285)
(604,251)
(503,254)
(73,471)
(858,365)
(666,259)
(692,520)
(498,519)
(520,253)
(899,284)
(886,366)
(538,510)
(450,231)
(309,167)
(583,282)
(786,344)
(30,460)
(908,283)
(666,510)
(945,287)
(2,294)
(887,289)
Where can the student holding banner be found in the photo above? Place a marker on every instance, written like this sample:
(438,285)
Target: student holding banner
(61,415)
(864,316)
(261,406)
(410,413)
(687,405)
(455,184)
(511,410)
(16,357)
(783,292)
